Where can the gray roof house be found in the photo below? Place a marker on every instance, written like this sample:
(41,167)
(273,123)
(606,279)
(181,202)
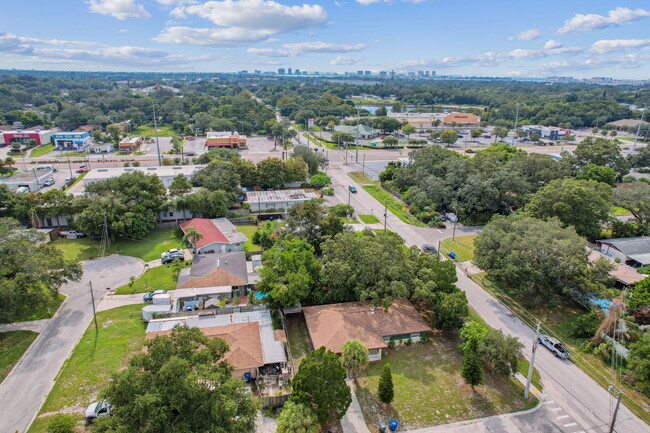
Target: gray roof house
(631,251)
(365,131)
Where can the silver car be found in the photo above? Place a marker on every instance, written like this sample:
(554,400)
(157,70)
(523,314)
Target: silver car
(97,409)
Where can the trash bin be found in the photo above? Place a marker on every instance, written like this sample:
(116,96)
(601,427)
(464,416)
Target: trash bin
(393,425)
(247,376)
(452,255)
(382,427)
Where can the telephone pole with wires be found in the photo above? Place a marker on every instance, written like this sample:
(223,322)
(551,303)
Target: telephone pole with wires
(155,128)
(614,390)
(92,300)
(532,362)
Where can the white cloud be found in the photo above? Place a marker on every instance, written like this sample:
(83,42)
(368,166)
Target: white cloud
(120,9)
(266,15)
(9,42)
(526,35)
(218,37)
(345,60)
(299,48)
(615,17)
(606,46)
(368,2)
(551,44)
(176,2)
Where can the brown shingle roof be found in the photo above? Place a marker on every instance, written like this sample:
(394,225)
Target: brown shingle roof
(243,339)
(216,278)
(333,325)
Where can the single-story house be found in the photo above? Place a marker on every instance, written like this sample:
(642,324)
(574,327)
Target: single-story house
(255,348)
(218,235)
(335,324)
(210,279)
(634,252)
(259,201)
(364,131)
(462,119)
(626,275)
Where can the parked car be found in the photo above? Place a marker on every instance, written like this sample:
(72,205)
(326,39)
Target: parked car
(97,409)
(148,297)
(82,169)
(430,249)
(69,180)
(190,154)
(71,234)
(452,217)
(352,189)
(172,251)
(554,346)
(171,257)
(49,182)
(443,217)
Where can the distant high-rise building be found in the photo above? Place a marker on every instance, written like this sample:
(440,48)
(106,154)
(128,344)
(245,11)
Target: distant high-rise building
(433,73)
(383,74)
(420,73)
(289,71)
(411,74)
(281,71)
(257,71)
(297,71)
(360,73)
(368,73)
(426,74)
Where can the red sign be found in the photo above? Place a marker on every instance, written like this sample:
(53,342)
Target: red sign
(12,136)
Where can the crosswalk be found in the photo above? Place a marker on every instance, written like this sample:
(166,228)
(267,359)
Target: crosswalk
(563,421)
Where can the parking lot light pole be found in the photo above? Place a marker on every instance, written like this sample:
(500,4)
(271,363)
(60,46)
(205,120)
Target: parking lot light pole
(532,362)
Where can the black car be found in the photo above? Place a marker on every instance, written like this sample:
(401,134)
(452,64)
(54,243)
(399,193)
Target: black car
(429,249)
(168,258)
(148,297)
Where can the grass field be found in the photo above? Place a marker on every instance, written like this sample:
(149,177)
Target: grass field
(42,312)
(148,131)
(369,219)
(249,230)
(620,211)
(361,178)
(299,341)
(41,150)
(463,246)
(429,389)
(159,278)
(398,208)
(12,346)
(146,249)
(95,358)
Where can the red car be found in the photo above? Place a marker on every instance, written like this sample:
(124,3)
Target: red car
(82,169)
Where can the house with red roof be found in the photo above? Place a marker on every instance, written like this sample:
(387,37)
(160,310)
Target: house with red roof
(218,235)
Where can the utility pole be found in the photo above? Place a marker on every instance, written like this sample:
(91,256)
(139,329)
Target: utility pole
(532,362)
(618,404)
(92,299)
(514,132)
(349,196)
(385,214)
(453,236)
(638,129)
(155,128)
(356,158)
(363,167)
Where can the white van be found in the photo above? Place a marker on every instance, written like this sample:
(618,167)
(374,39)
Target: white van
(22,190)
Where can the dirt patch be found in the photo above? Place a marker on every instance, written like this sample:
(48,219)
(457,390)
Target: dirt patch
(107,323)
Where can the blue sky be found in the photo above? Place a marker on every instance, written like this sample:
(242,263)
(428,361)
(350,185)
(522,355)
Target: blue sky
(582,38)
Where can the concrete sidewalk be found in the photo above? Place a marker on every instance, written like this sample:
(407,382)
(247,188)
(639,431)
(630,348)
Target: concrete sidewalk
(353,421)
(34,325)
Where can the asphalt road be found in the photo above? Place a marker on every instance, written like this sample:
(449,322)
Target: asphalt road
(23,392)
(567,390)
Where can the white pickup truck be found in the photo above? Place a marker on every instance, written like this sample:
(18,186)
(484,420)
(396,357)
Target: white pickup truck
(71,234)
(554,346)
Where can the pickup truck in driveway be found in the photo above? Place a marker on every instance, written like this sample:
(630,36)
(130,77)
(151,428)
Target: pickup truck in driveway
(71,234)
(554,346)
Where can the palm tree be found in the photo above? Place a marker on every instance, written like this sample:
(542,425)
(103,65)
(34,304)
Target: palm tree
(193,237)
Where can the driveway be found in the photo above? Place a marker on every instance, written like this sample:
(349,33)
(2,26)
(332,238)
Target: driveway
(23,392)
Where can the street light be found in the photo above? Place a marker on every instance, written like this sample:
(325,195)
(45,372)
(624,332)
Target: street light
(356,157)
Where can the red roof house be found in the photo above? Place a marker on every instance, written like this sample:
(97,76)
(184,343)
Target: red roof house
(217,235)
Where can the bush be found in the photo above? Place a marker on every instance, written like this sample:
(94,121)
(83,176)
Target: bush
(61,423)
(127,164)
(603,351)
(136,164)
(586,325)
(327,191)
(341,210)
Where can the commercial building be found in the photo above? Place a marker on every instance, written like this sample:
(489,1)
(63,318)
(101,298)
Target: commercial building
(27,137)
(634,252)
(420,120)
(255,349)
(33,180)
(260,201)
(73,140)
(165,173)
(229,139)
(547,132)
(625,124)
(101,147)
(363,131)
(130,144)
(217,235)
(462,119)
(334,325)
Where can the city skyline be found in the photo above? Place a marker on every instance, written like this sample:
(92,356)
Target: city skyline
(499,39)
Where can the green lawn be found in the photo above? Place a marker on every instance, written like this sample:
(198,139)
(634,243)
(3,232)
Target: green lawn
(361,178)
(96,357)
(298,336)
(620,211)
(77,180)
(41,150)
(43,311)
(146,249)
(148,131)
(249,230)
(398,208)
(12,346)
(463,246)
(429,389)
(161,277)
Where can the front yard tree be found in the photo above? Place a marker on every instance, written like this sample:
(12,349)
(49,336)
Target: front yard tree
(602,152)
(297,418)
(218,175)
(271,172)
(179,186)
(313,159)
(354,357)
(342,138)
(449,136)
(208,204)
(449,310)
(320,385)
(385,391)
(583,204)
(472,335)
(181,384)
(633,196)
(501,352)
(30,275)
(390,141)
(193,236)
(408,130)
